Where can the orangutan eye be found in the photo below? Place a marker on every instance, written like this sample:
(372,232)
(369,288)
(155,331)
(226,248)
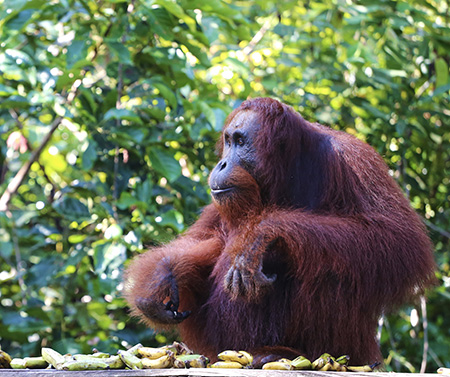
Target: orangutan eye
(239,139)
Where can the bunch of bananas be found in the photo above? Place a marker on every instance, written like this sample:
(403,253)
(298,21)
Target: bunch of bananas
(233,360)
(325,362)
(5,360)
(176,355)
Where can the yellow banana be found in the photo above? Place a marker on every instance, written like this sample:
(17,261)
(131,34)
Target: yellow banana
(326,367)
(336,366)
(363,368)
(162,362)
(153,353)
(226,364)
(241,357)
(278,365)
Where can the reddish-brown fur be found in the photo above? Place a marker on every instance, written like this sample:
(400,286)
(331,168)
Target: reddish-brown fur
(326,217)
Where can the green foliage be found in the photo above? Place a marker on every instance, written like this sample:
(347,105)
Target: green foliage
(134,94)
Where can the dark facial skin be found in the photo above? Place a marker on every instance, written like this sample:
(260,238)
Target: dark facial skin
(238,140)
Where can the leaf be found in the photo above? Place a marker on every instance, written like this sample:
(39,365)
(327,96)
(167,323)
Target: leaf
(89,156)
(167,93)
(122,114)
(208,113)
(120,51)
(163,162)
(177,11)
(71,208)
(441,72)
(76,51)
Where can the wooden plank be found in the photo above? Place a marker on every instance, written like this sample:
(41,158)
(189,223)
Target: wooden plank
(194,372)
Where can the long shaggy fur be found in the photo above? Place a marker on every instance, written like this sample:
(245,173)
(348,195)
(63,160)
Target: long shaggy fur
(325,216)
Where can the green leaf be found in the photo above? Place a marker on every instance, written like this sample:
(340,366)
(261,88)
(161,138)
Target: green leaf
(71,208)
(120,51)
(122,114)
(441,72)
(177,11)
(208,113)
(167,93)
(76,51)
(163,162)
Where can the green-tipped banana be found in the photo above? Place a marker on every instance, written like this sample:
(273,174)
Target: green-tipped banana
(241,357)
(226,364)
(301,363)
(278,365)
(53,357)
(165,361)
(363,368)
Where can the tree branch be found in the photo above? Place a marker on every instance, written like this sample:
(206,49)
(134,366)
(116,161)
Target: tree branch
(16,182)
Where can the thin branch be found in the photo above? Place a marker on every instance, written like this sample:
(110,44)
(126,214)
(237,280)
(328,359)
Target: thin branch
(259,35)
(441,231)
(16,182)
(31,149)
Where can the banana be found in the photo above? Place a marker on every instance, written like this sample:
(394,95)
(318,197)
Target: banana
(336,366)
(153,353)
(363,368)
(17,363)
(35,363)
(343,360)
(241,357)
(92,364)
(95,355)
(320,362)
(190,361)
(278,365)
(443,370)
(179,348)
(226,364)
(162,362)
(5,360)
(301,363)
(326,367)
(130,360)
(53,357)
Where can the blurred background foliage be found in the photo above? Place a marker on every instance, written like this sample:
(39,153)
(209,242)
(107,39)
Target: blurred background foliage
(109,114)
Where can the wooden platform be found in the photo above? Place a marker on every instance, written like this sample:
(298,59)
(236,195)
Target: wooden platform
(195,372)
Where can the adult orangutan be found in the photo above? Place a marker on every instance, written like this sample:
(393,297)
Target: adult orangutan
(307,242)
